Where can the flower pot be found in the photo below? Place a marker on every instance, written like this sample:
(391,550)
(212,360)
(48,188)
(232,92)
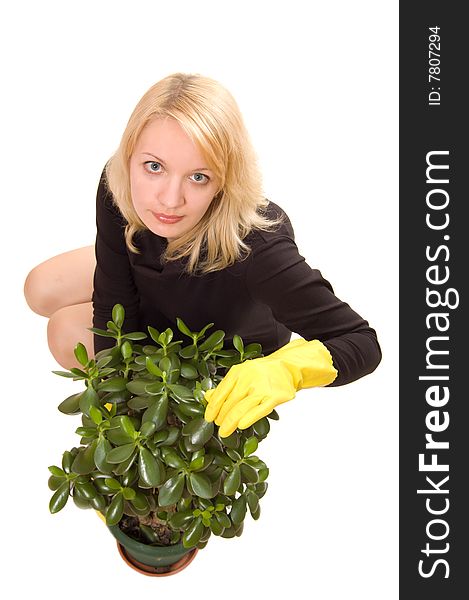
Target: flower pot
(156,561)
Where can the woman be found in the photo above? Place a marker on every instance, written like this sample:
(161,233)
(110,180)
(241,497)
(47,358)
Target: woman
(183,230)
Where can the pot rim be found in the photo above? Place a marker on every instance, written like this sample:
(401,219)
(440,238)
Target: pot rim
(146,549)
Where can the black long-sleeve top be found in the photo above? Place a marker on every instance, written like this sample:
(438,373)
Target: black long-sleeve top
(262,298)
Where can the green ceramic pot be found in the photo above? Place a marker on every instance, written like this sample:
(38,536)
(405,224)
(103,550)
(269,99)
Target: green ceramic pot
(153,556)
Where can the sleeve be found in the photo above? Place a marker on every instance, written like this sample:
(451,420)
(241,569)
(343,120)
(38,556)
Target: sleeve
(113,281)
(304,301)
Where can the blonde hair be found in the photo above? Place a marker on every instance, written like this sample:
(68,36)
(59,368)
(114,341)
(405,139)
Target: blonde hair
(210,116)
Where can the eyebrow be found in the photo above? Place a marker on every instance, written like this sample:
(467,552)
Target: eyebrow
(162,161)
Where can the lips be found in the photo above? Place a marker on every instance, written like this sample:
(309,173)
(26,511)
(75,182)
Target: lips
(167,219)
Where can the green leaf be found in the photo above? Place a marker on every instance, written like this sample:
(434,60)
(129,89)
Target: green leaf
(84,460)
(87,432)
(134,336)
(192,409)
(112,483)
(139,402)
(220,458)
(188,352)
(54,482)
(152,368)
(157,413)
(201,333)
(232,441)
(249,474)
(154,334)
(233,454)
(250,446)
(261,488)
(140,502)
(253,502)
(127,426)
(256,513)
(115,510)
(120,454)
(116,397)
(155,388)
(147,429)
(172,458)
(149,533)
(223,519)
(199,431)
(117,434)
(115,384)
(216,527)
(261,427)
(79,374)
(118,315)
(81,354)
(137,386)
(213,340)
(193,533)
(151,470)
(98,503)
(67,460)
(59,499)
(180,520)
(101,332)
(130,476)
(238,510)
(273,415)
(183,328)
(87,490)
(56,471)
(128,493)
(197,463)
(171,491)
(188,371)
(232,481)
(102,362)
(112,327)
(126,350)
(253,349)
(238,344)
(103,447)
(96,415)
(180,392)
(71,405)
(64,374)
(202,367)
(201,485)
(88,398)
(173,435)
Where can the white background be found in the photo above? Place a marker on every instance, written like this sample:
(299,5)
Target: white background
(317,85)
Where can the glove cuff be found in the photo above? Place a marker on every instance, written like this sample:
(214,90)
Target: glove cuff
(309,363)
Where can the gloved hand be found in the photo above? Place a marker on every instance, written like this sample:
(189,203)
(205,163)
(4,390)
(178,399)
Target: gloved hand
(251,390)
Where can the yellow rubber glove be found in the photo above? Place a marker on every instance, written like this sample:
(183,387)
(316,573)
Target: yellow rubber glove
(251,390)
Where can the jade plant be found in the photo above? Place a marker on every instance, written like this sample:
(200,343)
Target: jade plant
(147,459)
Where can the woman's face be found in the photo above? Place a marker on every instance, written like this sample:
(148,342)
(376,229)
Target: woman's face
(171,184)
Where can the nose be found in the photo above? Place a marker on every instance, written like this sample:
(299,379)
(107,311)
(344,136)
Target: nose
(171,195)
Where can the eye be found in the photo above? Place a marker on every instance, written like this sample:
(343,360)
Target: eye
(205,179)
(152,166)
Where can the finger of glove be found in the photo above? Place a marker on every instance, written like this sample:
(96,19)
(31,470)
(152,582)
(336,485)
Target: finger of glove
(230,421)
(239,393)
(256,413)
(208,395)
(217,397)
(264,409)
